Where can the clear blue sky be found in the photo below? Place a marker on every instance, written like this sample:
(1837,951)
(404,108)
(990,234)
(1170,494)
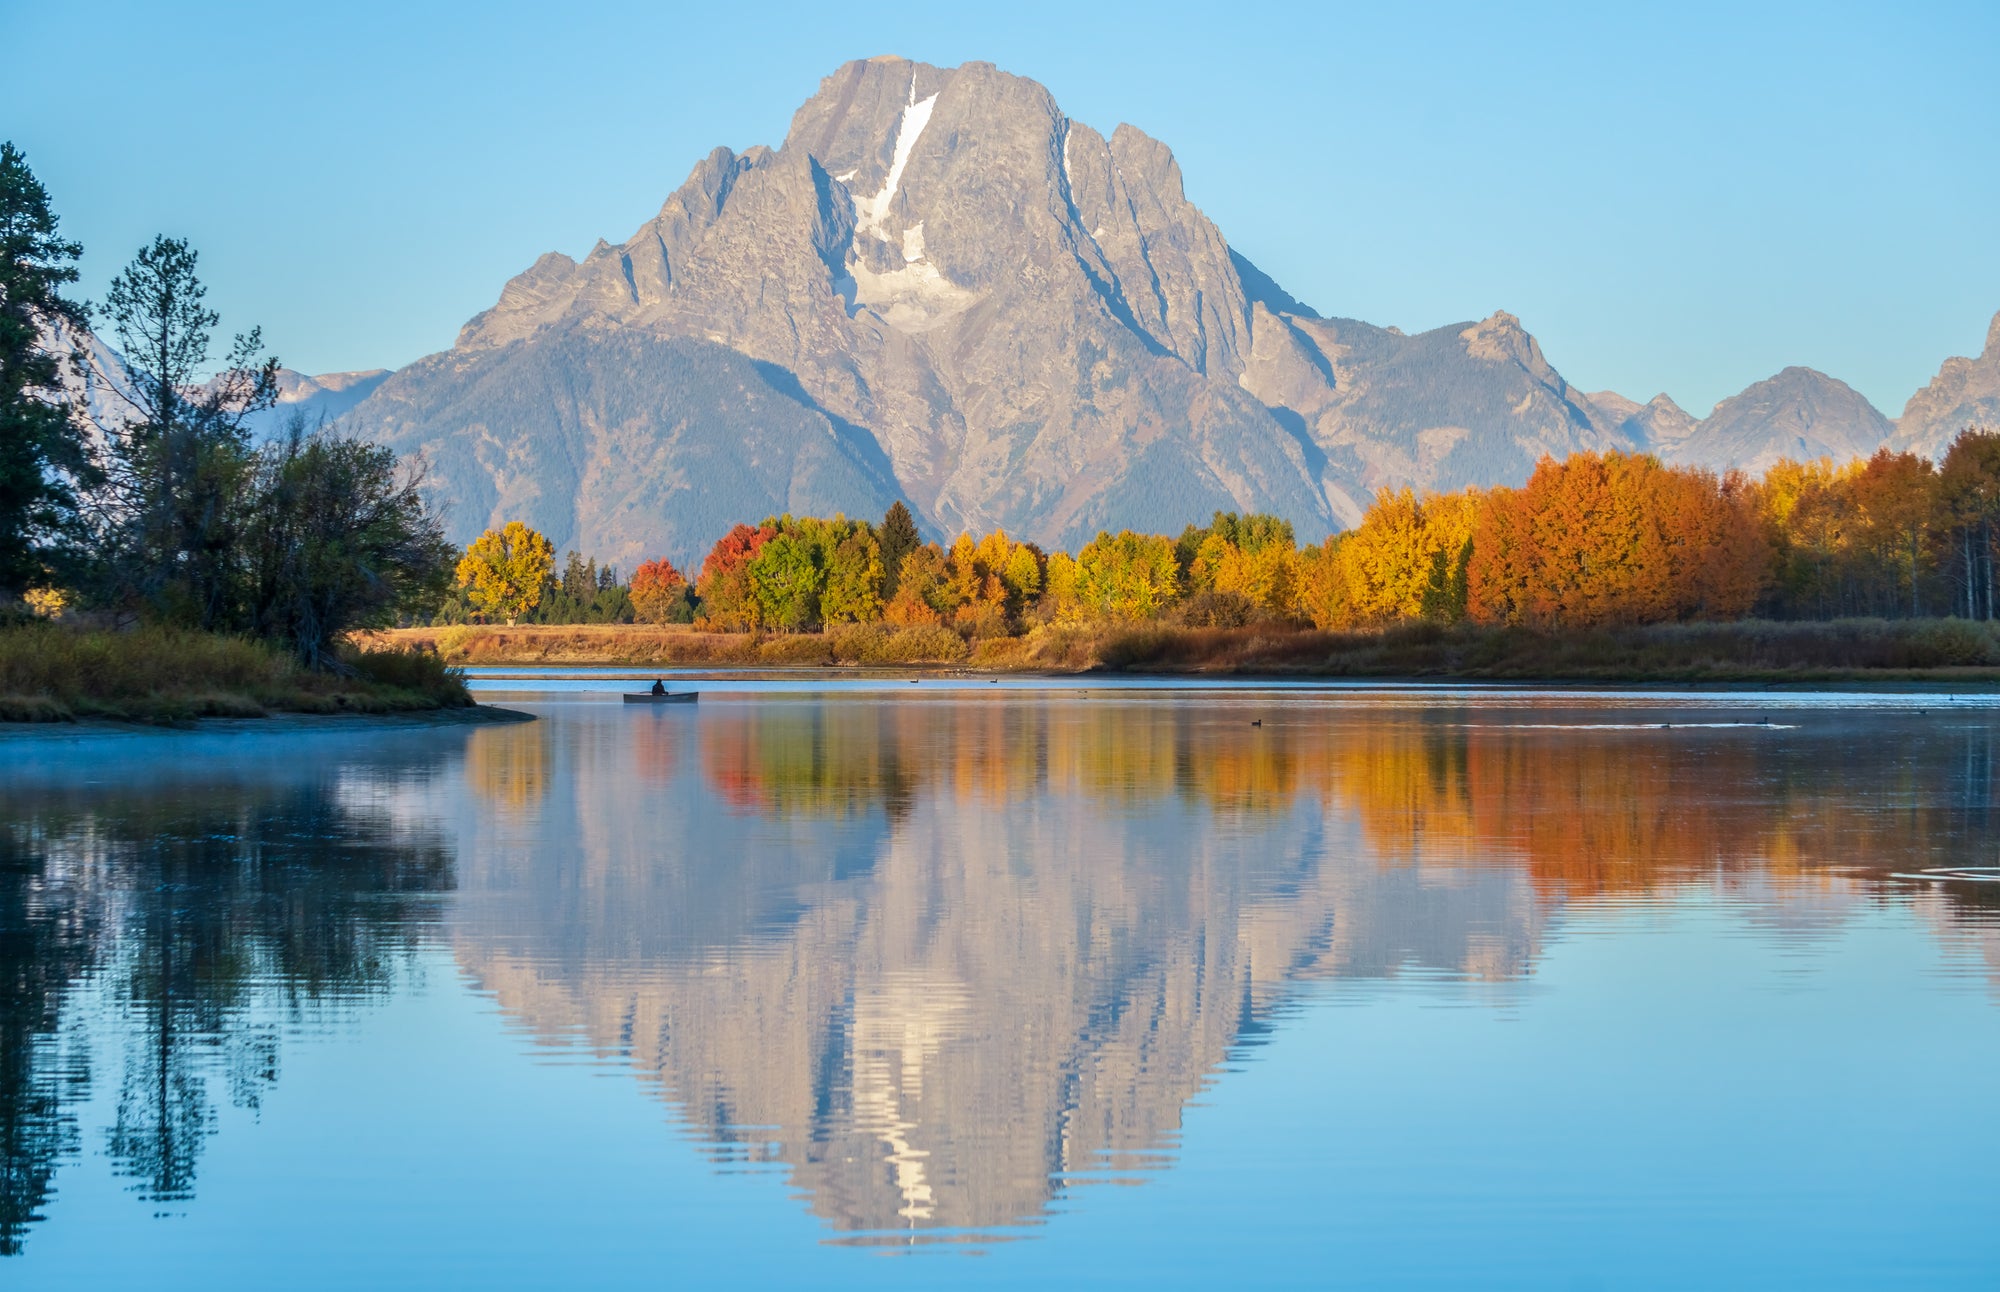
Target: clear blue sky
(1675,197)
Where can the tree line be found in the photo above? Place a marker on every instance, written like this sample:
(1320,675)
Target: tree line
(1592,540)
(141,493)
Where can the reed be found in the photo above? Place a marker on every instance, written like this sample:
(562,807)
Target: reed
(1739,651)
(53,673)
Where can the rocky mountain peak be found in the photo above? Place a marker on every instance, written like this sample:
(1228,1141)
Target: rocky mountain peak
(1800,413)
(985,307)
(1965,393)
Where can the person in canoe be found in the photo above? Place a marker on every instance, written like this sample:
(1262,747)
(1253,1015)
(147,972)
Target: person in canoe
(659,687)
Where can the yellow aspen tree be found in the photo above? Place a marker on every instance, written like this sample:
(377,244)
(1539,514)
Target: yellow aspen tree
(504,570)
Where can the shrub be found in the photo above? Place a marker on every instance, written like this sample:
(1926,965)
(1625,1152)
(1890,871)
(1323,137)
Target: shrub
(804,649)
(1218,610)
(923,644)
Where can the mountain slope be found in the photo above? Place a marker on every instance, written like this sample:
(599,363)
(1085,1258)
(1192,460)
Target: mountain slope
(1018,321)
(1965,393)
(1799,414)
(645,445)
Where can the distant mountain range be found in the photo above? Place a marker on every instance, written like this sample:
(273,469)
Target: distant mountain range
(941,288)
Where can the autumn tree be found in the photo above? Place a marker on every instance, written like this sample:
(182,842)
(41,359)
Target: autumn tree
(660,592)
(854,579)
(1121,576)
(1407,559)
(1615,538)
(924,593)
(1324,596)
(504,571)
(727,602)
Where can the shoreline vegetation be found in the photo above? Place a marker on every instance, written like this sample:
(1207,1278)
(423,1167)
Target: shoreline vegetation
(1757,651)
(162,558)
(53,673)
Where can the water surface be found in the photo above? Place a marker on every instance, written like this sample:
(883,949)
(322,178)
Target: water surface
(873,983)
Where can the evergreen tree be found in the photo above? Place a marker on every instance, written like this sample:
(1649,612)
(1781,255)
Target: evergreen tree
(181,461)
(899,539)
(42,454)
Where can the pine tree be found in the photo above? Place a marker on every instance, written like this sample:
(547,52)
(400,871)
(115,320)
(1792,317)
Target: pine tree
(42,454)
(899,539)
(182,461)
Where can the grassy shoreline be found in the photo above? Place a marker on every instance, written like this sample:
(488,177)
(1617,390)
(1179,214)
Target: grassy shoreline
(1929,650)
(52,673)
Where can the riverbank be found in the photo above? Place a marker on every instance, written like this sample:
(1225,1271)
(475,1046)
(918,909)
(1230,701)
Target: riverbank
(51,673)
(1928,650)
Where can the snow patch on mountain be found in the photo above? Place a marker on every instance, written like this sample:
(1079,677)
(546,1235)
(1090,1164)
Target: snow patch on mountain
(869,212)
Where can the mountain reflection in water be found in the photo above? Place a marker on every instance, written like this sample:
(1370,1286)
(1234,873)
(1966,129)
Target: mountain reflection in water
(938,959)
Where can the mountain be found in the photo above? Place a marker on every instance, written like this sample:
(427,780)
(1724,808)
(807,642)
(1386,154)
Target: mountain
(1659,425)
(940,287)
(326,397)
(1966,392)
(1799,414)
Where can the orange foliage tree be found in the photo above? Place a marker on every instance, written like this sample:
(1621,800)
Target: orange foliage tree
(659,592)
(1616,538)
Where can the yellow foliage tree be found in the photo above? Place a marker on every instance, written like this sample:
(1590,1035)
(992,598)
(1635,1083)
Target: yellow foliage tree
(1407,558)
(504,571)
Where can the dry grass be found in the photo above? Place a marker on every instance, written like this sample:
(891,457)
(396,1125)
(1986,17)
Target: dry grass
(1746,651)
(51,673)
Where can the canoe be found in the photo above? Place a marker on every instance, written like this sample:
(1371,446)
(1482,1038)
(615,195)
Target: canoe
(671,697)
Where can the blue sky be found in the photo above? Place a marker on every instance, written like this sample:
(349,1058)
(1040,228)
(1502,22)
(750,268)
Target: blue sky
(1677,197)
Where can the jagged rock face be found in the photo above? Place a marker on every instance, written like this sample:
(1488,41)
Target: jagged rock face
(1964,394)
(1029,320)
(1467,404)
(1799,414)
(646,445)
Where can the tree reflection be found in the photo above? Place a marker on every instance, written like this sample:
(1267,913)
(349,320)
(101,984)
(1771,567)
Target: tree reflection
(939,957)
(192,923)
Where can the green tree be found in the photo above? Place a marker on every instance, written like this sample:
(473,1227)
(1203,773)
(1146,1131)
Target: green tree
(339,539)
(786,576)
(853,580)
(899,538)
(42,452)
(504,571)
(181,463)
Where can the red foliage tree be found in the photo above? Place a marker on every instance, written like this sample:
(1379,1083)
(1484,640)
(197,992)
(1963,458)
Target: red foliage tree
(724,585)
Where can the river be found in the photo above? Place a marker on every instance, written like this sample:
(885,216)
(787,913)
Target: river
(866,982)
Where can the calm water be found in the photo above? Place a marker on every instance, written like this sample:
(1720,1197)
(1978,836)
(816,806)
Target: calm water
(899,985)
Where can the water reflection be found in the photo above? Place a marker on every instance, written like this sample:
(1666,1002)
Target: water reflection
(939,960)
(178,926)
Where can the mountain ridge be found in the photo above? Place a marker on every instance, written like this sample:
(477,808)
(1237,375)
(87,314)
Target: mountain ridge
(940,287)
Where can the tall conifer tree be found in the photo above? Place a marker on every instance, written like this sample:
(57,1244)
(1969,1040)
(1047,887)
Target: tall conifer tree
(42,452)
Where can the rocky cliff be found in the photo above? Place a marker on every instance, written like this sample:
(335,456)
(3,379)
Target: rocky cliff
(1965,393)
(962,297)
